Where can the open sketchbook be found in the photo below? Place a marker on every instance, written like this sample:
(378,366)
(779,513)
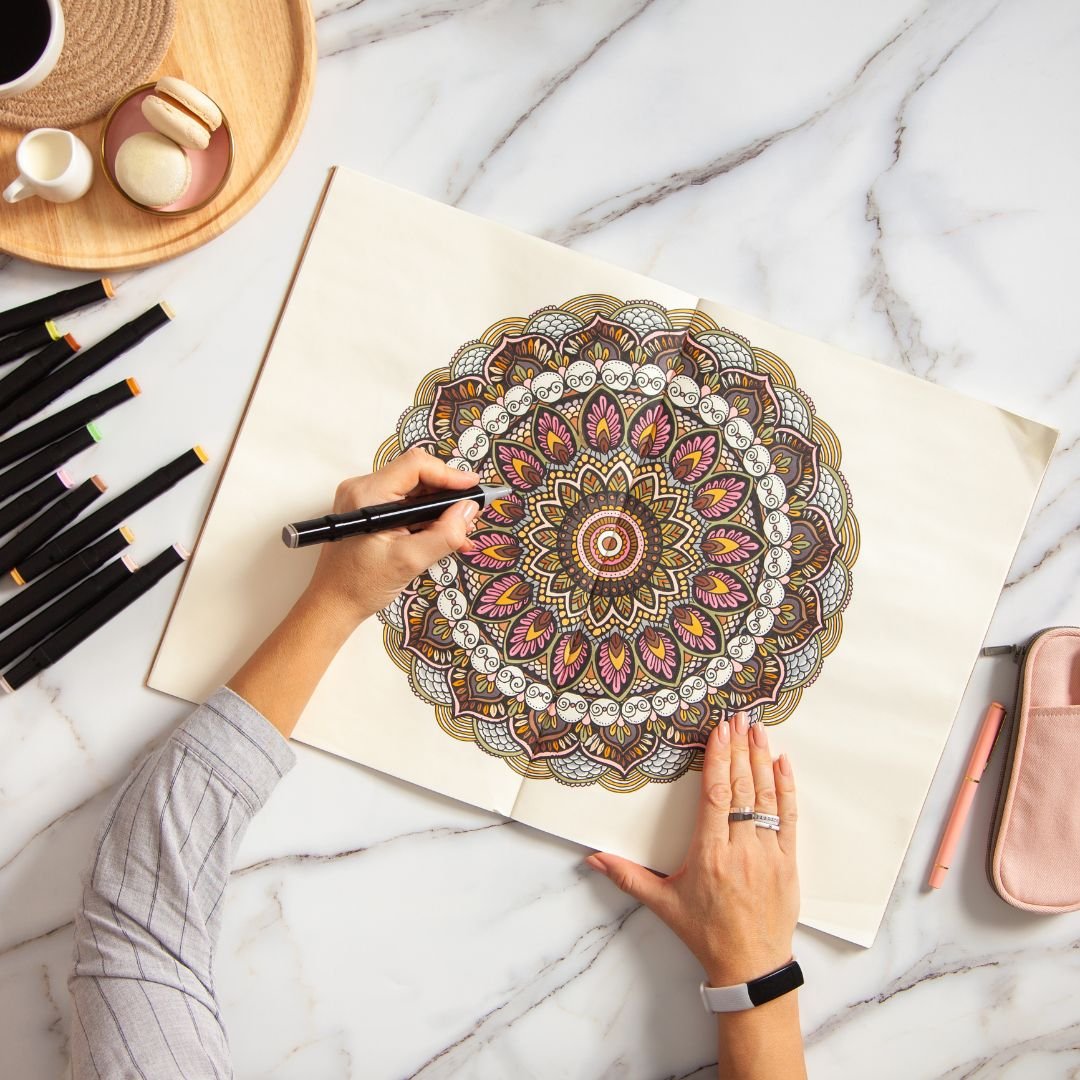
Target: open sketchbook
(708,513)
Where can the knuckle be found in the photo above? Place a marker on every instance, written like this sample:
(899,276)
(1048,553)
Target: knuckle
(349,492)
(766,796)
(789,816)
(742,790)
(719,795)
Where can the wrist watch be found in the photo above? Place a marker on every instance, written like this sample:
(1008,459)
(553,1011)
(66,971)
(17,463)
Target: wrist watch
(748,995)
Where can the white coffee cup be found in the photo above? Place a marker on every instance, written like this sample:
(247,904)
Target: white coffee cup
(46,61)
(53,164)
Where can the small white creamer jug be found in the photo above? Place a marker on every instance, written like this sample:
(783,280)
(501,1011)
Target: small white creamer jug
(53,164)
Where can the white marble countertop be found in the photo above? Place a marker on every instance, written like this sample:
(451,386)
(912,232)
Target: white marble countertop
(897,179)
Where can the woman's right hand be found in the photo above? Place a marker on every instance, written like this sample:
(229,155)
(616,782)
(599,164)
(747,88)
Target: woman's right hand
(360,576)
(735,899)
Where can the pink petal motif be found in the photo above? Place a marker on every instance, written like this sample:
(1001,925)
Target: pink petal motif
(721,495)
(721,591)
(530,634)
(651,430)
(658,652)
(728,545)
(569,655)
(693,456)
(506,511)
(503,597)
(518,465)
(603,422)
(616,663)
(695,629)
(552,436)
(492,551)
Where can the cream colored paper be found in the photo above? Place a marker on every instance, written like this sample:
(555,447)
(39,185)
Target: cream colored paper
(389,287)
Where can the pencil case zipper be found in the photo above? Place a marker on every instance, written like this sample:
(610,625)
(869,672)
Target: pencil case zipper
(1018,652)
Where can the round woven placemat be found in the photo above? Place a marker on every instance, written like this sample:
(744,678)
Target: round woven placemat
(110,46)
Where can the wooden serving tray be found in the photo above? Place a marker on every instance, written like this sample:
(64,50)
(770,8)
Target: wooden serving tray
(256,59)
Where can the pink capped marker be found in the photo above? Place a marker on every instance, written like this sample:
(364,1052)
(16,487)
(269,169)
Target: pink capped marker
(965,794)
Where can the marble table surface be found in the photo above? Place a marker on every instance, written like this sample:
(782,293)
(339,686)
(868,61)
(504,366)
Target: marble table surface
(896,178)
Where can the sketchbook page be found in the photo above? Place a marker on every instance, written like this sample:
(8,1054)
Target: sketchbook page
(390,288)
(934,492)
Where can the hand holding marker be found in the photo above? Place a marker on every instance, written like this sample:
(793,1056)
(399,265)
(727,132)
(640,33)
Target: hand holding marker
(86,589)
(406,513)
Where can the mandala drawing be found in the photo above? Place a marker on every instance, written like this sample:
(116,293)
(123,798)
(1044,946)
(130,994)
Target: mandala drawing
(678,544)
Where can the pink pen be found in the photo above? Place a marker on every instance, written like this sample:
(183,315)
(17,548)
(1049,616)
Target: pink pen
(965,795)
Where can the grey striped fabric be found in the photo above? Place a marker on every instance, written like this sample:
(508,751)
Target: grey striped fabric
(142,985)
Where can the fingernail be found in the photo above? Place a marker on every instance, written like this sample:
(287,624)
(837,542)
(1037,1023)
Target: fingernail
(761,739)
(469,510)
(596,863)
(725,731)
(785,765)
(740,723)
(470,475)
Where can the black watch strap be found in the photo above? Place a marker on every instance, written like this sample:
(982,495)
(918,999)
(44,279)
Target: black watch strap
(775,984)
(757,992)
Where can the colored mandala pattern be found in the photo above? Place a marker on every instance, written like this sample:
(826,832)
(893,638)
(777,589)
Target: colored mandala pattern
(678,544)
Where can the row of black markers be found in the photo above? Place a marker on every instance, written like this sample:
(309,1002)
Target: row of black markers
(79,582)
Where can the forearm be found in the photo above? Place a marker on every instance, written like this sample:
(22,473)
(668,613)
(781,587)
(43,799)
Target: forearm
(763,1043)
(282,674)
(145,931)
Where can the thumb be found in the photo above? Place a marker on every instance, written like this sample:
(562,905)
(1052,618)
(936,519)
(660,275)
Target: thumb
(448,533)
(643,885)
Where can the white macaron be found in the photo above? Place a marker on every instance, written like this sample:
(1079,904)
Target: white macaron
(152,169)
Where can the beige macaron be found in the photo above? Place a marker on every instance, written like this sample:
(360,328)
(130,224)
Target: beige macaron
(152,169)
(182,113)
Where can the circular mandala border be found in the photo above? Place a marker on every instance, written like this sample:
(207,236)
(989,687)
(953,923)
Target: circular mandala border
(642,316)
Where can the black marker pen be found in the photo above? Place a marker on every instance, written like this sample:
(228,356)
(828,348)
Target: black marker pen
(418,510)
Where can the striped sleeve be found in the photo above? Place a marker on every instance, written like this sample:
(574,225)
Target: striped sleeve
(142,987)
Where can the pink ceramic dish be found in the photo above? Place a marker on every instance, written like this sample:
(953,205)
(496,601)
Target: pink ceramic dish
(210,168)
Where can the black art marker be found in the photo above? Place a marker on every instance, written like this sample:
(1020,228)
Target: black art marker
(405,514)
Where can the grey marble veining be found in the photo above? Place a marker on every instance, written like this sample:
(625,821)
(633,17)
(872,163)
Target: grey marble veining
(899,179)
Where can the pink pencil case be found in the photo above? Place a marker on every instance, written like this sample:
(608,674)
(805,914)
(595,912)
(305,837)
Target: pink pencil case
(1034,855)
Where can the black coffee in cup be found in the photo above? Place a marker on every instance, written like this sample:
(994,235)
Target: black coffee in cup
(26,28)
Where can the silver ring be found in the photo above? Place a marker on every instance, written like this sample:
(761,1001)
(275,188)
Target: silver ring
(740,810)
(767,819)
(741,815)
(767,825)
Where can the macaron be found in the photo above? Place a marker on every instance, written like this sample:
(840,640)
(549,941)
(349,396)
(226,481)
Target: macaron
(152,169)
(182,113)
